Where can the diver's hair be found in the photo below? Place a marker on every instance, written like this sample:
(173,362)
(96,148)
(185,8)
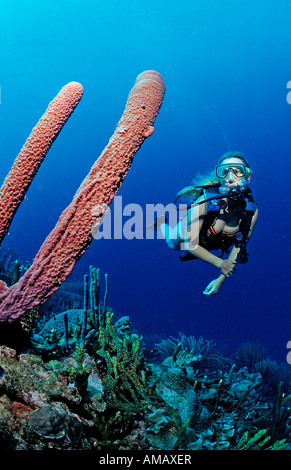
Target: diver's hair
(210,178)
(206,179)
(234,154)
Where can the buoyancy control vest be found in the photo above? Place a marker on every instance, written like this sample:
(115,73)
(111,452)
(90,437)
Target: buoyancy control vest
(213,198)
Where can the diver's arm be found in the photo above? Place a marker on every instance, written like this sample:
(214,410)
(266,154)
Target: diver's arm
(204,255)
(226,265)
(195,221)
(214,286)
(253,223)
(196,218)
(232,257)
(235,250)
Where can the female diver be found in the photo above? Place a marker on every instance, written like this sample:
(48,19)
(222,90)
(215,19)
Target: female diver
(222,216)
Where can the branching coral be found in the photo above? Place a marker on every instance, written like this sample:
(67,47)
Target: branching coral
(124,377)
(67,330)
(259,441)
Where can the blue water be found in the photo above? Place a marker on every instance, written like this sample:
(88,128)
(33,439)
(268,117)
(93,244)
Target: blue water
(226,66)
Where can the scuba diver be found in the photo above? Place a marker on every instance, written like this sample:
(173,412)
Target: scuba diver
(220,214)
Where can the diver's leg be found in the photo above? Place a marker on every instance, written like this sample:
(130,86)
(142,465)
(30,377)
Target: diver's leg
(172,236)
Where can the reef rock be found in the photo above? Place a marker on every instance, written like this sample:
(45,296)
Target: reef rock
(174,388)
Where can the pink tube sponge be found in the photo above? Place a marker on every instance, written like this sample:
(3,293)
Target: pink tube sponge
(34,151)
(72,234)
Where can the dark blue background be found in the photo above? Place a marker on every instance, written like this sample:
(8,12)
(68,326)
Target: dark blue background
(226,65)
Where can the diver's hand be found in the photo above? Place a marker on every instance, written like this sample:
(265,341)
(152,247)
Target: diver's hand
(227,267)
(213,287)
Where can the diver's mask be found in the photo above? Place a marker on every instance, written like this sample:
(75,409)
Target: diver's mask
(240,171)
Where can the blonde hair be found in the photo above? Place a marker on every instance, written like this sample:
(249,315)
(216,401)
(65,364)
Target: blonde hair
(206,179)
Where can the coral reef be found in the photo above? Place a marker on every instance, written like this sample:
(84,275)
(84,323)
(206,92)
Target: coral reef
(122,356)
(175,389)
(187,351)
(77,224)
(85,383)
(77,378)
